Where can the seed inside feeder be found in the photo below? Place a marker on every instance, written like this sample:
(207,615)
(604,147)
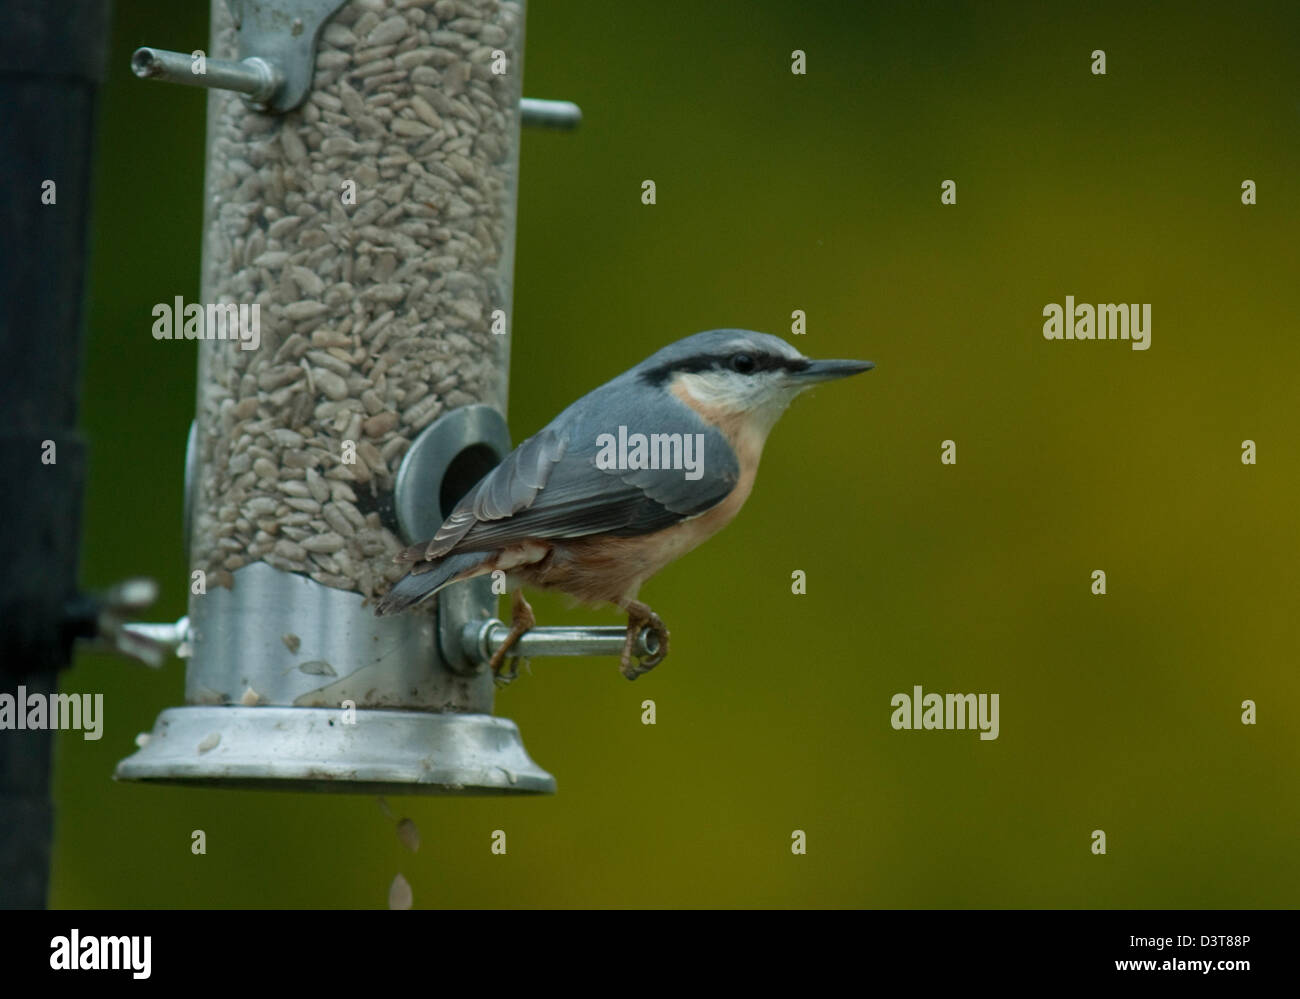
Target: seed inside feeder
(372,225)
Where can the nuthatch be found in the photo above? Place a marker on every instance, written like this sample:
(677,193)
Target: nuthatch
(627,479)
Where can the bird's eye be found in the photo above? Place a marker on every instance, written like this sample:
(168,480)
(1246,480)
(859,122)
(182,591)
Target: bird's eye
(742,363)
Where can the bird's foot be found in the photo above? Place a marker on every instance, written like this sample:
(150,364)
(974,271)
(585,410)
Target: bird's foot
(640,617)
(521,619)
(510,673)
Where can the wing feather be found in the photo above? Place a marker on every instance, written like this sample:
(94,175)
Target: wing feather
(509,487)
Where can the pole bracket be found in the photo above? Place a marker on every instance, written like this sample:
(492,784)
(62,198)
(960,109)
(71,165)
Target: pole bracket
(277,54)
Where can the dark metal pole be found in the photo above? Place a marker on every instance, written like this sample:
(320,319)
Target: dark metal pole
(51,64)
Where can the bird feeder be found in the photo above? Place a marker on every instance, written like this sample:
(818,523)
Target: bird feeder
(358,247)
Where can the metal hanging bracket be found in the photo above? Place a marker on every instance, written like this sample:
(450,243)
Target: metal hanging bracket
(277,61)
(102,622)
(277,54)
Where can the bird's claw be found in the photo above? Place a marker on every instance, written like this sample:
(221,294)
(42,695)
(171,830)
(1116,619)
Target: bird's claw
(507,676)
(632,667)
(521,620)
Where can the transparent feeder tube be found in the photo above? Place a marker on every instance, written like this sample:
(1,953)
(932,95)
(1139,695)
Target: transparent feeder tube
(373,230)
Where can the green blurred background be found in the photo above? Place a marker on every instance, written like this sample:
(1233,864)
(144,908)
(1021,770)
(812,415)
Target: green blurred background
(777,192)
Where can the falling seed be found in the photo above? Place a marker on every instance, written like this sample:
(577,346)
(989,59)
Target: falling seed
(408,835)
(399,894)
(291,642)
(142,739)
(210,742)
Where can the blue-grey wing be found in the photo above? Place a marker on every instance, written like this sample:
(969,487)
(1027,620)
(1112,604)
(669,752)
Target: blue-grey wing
(558,484)
(513,485)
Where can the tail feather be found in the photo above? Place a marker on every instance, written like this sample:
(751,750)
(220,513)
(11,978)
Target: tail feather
(421,582)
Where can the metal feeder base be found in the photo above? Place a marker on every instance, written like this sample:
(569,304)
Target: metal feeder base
(310,749)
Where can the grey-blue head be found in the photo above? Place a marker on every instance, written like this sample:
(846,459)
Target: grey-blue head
(739,373)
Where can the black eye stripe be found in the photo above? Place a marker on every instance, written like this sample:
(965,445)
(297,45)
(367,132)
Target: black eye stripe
(722,362)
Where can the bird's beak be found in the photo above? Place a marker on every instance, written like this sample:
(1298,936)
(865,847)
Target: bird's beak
(825,371)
